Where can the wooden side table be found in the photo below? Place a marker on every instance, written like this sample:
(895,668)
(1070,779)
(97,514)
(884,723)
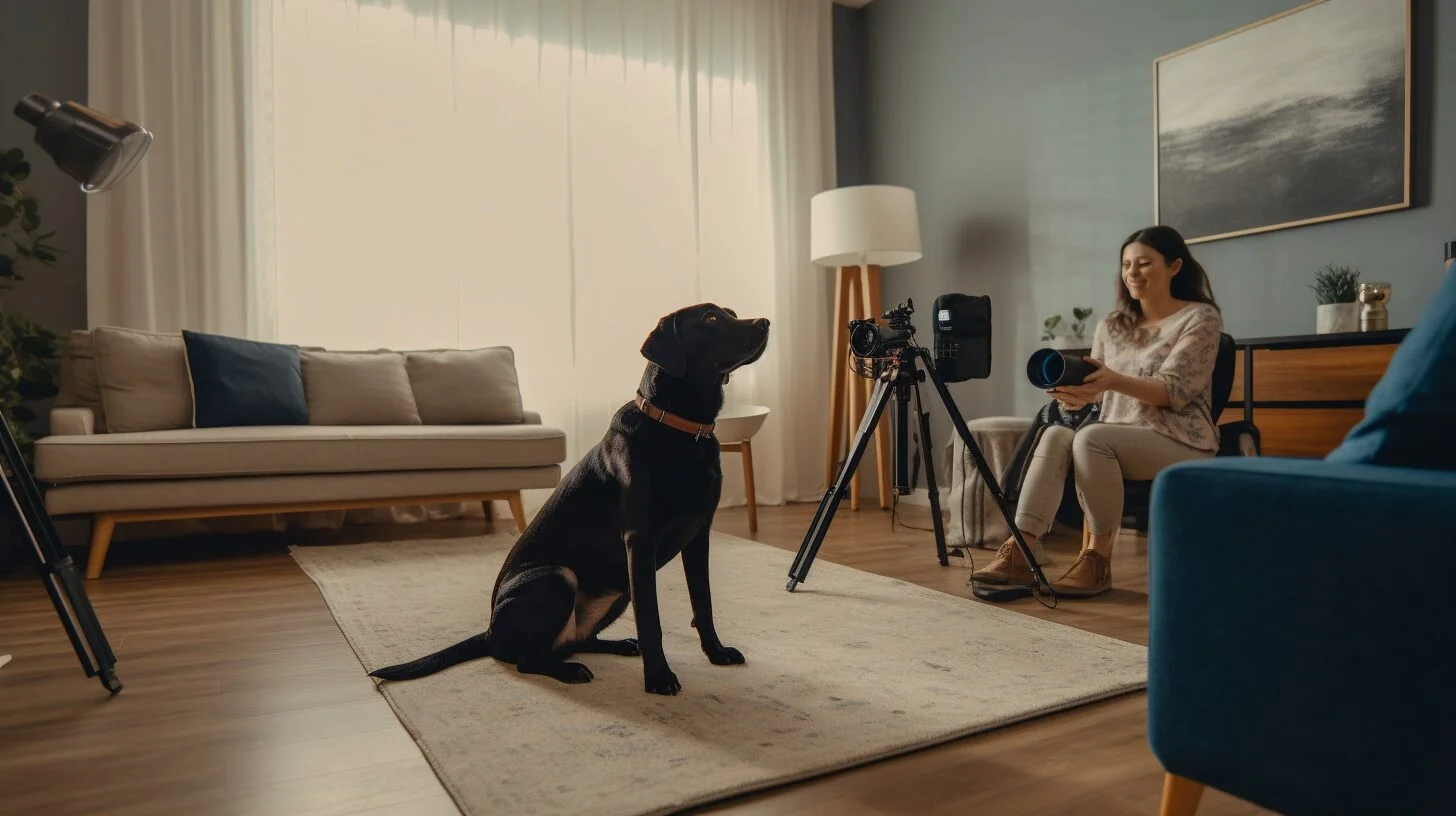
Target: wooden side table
(735,429)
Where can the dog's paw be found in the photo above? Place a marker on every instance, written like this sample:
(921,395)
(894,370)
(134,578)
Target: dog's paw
(663,682)
(725,656)
(574,673)
(629,647)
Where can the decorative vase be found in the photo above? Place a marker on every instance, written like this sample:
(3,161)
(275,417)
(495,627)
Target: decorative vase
(1331,318)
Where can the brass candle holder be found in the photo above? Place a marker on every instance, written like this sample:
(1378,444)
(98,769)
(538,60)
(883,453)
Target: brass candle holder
(1373,298)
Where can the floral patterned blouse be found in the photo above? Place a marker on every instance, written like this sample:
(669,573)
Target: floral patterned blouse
(1180,350)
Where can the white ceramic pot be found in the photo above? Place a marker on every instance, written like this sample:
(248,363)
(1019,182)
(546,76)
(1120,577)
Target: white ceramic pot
(1331,318)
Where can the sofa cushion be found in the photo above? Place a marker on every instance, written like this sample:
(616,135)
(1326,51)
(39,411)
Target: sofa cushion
(358,388)
(80,385)
(309,449)
(465,386)
(143,379)
(355,488)
(1410,412)
(239,382)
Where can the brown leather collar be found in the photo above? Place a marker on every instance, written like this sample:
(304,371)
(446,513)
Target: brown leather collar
(673,420)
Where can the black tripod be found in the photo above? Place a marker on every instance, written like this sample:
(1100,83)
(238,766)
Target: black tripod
(903,374)
(57,569)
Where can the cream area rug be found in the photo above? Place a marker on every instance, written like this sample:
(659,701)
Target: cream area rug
(849,668)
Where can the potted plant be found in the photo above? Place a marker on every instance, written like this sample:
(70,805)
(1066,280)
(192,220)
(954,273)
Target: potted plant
(29,353)
(1049,332)
(1335,287)
(1079,325)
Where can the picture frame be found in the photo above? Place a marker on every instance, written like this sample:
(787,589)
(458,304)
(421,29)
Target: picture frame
(1300,118)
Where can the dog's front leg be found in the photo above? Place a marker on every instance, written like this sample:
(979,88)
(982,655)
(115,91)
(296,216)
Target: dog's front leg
(695,567)
(642,573)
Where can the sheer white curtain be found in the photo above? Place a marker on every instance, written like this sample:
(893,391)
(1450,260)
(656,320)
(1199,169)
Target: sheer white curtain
(551,175)
(175,246)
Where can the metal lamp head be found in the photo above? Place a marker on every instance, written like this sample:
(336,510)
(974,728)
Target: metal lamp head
(90,147)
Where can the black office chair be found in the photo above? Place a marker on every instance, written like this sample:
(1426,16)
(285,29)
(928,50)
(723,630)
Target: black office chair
(1238,438)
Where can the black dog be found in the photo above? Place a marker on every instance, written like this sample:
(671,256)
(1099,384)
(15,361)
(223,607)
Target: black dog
(646,492)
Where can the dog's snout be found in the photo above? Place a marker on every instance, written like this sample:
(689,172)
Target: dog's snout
(760,323)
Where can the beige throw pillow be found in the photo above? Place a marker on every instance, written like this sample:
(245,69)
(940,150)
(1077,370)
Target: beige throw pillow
(465,386)
(80,382)
(358,388)
(143,379)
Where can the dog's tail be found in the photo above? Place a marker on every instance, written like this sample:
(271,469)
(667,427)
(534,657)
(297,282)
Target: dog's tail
(471,648)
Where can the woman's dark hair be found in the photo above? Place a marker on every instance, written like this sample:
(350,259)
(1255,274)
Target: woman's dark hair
(1191,283)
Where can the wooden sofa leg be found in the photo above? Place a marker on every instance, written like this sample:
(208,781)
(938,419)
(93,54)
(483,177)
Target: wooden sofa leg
(518,511)
(489,511)
(102,526)
(1180,795)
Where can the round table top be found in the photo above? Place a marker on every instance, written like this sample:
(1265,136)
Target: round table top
(737,422)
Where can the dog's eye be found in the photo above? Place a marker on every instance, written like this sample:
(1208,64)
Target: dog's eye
(712,318)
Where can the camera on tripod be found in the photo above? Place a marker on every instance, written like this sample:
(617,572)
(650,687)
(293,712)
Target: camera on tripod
(883,336)
(884,350)
(962,338)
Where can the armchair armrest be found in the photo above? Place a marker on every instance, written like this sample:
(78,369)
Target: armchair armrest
(530,418)
(1301,638)
(73,421)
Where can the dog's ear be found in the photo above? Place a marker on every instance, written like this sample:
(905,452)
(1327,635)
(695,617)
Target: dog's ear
(664,348)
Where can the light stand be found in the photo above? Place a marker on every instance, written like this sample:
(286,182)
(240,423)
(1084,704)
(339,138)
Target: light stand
(98,151)
(902,374)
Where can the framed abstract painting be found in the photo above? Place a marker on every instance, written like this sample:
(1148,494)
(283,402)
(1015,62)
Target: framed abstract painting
(1296,119)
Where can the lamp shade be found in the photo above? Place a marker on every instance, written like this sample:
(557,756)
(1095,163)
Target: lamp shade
(875,224)
(86,145)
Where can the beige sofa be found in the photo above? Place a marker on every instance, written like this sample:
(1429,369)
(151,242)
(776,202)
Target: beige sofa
(385,428)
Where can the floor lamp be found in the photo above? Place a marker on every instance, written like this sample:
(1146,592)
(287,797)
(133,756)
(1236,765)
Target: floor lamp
(97,151)
(858,231)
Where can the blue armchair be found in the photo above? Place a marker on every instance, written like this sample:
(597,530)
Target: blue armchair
(1301,644)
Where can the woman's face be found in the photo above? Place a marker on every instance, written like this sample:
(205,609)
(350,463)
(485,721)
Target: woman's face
(1146,272)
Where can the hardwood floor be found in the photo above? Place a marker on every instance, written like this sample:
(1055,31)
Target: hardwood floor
(242,696)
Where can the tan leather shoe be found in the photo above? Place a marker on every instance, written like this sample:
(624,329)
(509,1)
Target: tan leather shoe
(1007,568)
(1090,574)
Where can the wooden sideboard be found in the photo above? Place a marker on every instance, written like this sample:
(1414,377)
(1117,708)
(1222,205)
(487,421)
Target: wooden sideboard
(1306,392)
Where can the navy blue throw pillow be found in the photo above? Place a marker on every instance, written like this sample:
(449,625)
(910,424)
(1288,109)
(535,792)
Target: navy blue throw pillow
(244,382)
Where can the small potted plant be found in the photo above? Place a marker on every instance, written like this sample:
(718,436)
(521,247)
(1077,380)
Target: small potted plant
(1049,332)
(1079,324)
(1335,287)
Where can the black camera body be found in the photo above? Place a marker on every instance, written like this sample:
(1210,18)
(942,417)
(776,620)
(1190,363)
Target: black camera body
(883,336)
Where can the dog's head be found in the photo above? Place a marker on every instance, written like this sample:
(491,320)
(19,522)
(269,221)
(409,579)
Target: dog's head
(705,340)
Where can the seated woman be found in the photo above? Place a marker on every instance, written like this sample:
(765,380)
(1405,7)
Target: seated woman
(1154,355)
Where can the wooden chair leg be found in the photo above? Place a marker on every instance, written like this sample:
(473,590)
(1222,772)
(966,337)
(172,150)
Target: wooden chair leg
(489,511)
(518,511)
(747,453)
(102,526)
(1180,795)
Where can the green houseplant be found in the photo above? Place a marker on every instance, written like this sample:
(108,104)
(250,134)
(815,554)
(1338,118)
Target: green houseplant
(1335,287)
(29,353)
(1079,323)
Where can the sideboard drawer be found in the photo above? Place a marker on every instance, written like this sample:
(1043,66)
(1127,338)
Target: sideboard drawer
(1314,374)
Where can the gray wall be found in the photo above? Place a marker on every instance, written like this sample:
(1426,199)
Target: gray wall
(1026,129)
(43,48)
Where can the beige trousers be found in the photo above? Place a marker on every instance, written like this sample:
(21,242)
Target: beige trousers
(1102,455)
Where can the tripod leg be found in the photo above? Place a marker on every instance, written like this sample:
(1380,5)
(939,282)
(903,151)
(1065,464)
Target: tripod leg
(57,568)
(840,489)
(984,469)
(927,456)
